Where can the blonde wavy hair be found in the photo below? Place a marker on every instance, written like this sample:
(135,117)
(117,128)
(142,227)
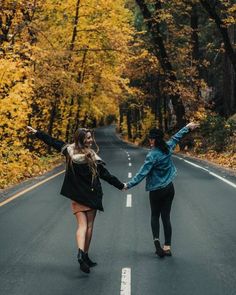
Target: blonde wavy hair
(79,140)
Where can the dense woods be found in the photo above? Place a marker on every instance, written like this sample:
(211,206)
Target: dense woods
(65,64)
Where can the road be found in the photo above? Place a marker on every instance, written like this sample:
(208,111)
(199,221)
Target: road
(38,248)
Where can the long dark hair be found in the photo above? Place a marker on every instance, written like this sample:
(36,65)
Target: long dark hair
(160,143)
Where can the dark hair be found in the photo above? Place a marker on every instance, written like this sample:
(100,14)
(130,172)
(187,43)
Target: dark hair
(160,143)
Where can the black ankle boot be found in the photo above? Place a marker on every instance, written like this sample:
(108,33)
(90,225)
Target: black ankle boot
(159,251)
(81,259)
(89,261)
(168,252)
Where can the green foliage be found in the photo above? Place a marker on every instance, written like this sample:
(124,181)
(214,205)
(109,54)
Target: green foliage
(216,132)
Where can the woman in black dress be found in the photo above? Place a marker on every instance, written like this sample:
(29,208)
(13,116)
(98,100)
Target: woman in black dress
(82,185)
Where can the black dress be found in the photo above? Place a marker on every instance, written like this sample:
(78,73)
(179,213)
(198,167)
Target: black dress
(78,185)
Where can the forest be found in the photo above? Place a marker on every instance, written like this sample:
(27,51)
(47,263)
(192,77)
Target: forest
(88,63)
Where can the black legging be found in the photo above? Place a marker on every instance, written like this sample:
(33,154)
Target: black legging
(161,201)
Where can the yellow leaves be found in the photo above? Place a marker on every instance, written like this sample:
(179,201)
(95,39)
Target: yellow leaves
(45,82)
(225,159)
(232,9)
(231,15)
(230,20)
(23,164)
(200,114)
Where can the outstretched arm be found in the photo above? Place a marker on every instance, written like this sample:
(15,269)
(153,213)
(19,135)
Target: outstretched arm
(142,173)
(111,179)
(180,134)
(55,143)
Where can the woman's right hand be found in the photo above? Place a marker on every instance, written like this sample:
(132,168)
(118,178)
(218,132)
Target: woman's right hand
(31,130)
(125,188)
(192,125)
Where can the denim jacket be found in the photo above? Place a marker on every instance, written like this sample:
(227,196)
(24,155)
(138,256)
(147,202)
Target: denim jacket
(158,167)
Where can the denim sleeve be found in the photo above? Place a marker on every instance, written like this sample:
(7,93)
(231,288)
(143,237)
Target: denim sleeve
(143,171)
(176,138)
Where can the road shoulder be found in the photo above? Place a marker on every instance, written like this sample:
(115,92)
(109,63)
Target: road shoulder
(15,189)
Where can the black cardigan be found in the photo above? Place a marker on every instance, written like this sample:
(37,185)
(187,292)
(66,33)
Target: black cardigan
(77,184)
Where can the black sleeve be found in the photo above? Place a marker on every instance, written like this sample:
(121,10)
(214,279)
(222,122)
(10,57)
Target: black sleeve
(55,143)
(111,179)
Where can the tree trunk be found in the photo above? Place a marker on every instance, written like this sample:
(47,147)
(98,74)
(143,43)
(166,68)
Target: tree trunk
(229,85)
(121,113)
(77,120)
(161,53)
(71,48)
(165,113)
(211,10)
(195,45)
(194,35)
(129,126)
(76,21)
(51,121)
(159,105)
(68,123)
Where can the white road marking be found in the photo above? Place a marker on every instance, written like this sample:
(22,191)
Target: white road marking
(129,159)
(129,200)
(29,189)
(130,164)
(125,288)
(211,173)
(223,179)
(195,165)
(129,175)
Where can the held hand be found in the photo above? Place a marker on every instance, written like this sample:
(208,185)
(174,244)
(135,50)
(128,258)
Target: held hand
(31,130)
(192,125)
(125,187)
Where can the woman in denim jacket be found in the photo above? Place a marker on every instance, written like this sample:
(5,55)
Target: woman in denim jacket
(159,171)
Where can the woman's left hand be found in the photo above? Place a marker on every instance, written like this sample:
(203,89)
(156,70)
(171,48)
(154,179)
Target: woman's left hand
(31,130)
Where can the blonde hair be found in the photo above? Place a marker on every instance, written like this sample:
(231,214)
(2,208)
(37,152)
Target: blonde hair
(79,140)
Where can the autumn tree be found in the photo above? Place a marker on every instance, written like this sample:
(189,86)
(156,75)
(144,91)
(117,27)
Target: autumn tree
(62,67)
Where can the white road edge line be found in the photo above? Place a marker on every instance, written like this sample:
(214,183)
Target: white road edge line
(213,174)
(129,200)
(125,288)
(195,165)
(223,179)
(29,189)
(129,175)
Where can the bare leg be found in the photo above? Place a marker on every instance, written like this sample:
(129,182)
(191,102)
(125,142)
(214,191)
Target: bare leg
(81,230)
(90,222)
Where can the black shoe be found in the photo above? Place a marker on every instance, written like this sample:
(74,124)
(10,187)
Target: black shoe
(168,252)
(159,251)
(89,261)
(81,259)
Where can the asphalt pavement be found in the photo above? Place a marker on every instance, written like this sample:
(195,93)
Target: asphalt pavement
(38,248)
